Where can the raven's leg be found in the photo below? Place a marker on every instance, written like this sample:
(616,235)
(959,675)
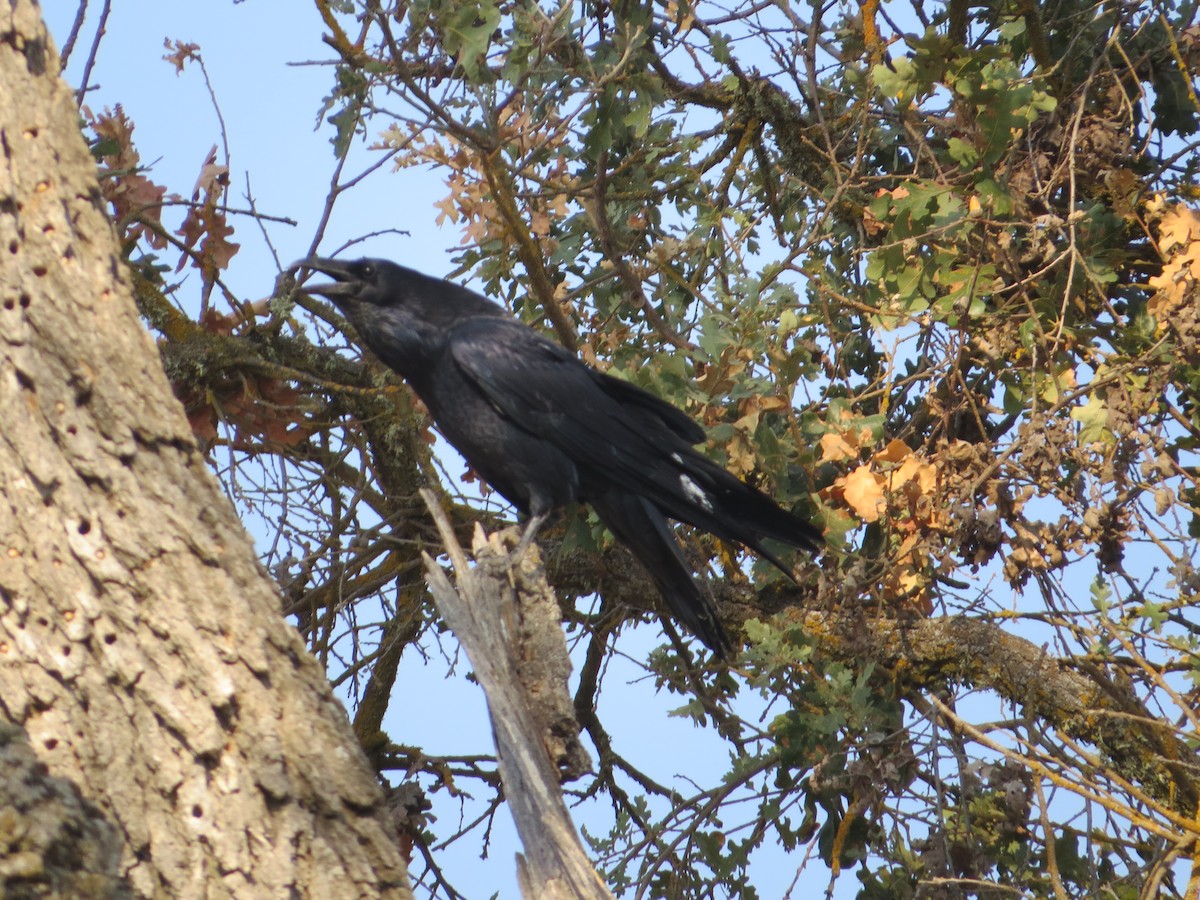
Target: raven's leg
(535,522)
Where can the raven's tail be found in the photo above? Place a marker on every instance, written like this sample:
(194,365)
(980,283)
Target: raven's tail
(703,494)
(641,527)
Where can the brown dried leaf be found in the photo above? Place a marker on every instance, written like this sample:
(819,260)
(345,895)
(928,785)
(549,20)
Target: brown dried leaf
(183,52)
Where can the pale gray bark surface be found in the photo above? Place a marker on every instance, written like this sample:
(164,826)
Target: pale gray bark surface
(506,618)
(141,645)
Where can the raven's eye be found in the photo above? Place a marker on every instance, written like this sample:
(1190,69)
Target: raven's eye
(368,271)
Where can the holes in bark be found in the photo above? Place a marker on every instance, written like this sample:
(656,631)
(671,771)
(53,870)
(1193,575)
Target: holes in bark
(72,430)
(110,639)
(66,650)
(51,743)
(227,714)
(40,271)
(14,247)
(24,301)
(35,56)
(197,812)
(10,303)
(84,525)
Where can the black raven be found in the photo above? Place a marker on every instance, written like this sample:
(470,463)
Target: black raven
(546,430)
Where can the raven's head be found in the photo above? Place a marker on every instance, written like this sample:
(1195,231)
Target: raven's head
(359,281)
(402,315)
(380,283)
(381,300)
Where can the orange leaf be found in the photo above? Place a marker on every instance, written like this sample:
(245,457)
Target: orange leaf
(834,447)
(895,451)
(863,491)
(916,471)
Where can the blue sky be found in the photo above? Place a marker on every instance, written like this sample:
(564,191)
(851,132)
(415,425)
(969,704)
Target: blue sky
(268,76)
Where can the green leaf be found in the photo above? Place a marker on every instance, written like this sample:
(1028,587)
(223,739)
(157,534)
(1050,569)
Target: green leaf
(720,49)
(1154,613)
(638,117)
(897,80)
(963,153)
(998,199)
(468,30)
(1093,419)
(1012,28)
(789,322)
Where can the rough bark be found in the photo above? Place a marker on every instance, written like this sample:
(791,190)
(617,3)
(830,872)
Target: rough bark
(142,647)
(53,842)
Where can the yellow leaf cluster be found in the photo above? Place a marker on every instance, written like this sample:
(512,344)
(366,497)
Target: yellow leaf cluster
(742,456)
(753,407)
(1179,245)
(895,478)
(839,445)
(908,578)
(899,485)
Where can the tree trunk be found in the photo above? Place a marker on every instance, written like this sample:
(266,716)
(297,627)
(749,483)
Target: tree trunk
(142,647)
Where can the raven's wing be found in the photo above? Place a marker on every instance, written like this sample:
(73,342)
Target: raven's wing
(607,425)
(638,402)
(545,389)
(623,435)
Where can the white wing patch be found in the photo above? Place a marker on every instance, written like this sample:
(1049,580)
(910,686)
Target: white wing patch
(695,493)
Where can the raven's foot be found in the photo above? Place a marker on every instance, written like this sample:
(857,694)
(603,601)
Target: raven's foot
(527,536)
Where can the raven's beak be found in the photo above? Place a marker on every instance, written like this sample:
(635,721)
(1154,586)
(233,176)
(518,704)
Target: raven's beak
(345,283)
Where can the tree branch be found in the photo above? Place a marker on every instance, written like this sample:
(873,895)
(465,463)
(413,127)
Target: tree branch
(507,620)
